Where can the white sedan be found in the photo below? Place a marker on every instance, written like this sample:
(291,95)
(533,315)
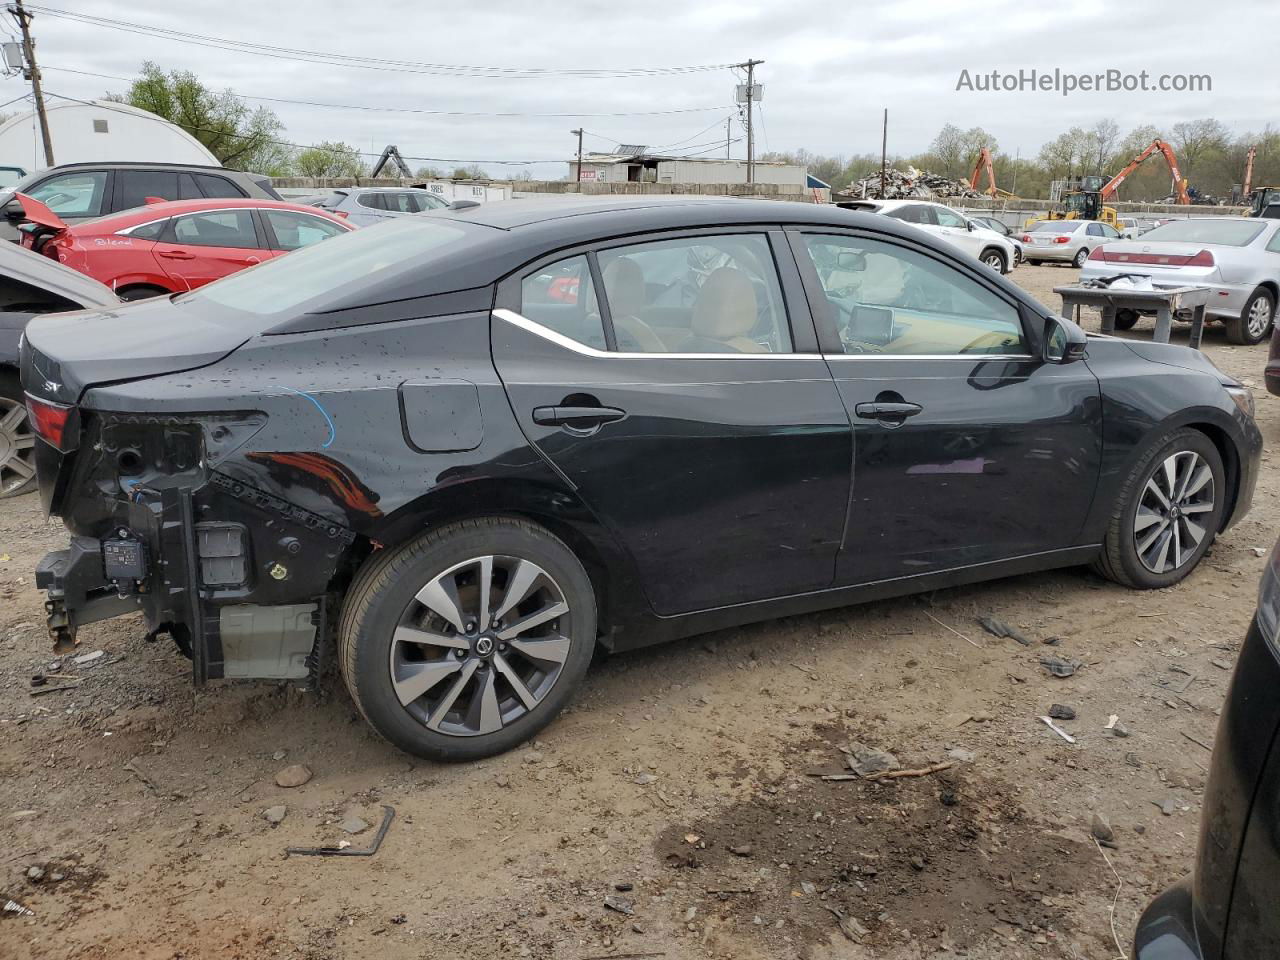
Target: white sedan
(1238,258)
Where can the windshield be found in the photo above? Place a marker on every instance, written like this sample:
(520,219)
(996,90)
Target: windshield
(316,276)
(1227,233)
(1055,226)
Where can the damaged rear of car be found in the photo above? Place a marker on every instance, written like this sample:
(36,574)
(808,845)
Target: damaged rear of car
(225,483)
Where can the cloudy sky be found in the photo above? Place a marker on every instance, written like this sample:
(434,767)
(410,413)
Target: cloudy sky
(826,78)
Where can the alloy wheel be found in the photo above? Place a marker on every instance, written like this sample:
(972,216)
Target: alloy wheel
(17,447)
(1166,529)
(995,262)
(1258,318)
(480,646)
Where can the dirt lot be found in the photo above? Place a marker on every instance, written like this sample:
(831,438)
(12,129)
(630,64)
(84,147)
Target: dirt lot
(683,772)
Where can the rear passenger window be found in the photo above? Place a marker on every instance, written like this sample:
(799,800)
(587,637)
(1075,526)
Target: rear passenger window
(215,187)
(696,295)
(371,200)
(217,228)
(562,298)
(187,189)
(135,186)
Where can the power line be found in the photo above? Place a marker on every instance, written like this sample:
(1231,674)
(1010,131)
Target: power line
(376,63)
(287,143)
(439,113)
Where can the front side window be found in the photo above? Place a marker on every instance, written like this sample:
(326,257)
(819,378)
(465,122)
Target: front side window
(696,295)
(1109,231)
(949,218)
(296,230)
(217,228)
(401,202)
(374,201)
(562,298)
(1273,245)
(74,194)
(427,201)
(886,299)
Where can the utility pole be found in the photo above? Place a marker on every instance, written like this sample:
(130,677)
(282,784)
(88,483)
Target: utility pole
(728,135)
(577,173)
(29,51)
(750,66)
(884,151)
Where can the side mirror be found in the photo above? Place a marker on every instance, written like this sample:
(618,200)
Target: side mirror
(13,210)
(851,261)
(1064,342)
(971,225)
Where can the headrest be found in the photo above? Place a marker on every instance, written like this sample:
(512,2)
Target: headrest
(624,286)
(726,305)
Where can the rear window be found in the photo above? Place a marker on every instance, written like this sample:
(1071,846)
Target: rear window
(1227,233)
(317,275)
(1054,226)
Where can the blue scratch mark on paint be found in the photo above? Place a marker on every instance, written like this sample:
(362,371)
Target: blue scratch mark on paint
(333,431)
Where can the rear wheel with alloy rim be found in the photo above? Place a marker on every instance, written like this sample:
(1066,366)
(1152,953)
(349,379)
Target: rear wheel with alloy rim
(1081,256)
(17,441)
(1255,320)
(1168,512)
(469,640)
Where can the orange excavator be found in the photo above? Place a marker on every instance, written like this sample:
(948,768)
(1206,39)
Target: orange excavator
(1179,183)
(984,163)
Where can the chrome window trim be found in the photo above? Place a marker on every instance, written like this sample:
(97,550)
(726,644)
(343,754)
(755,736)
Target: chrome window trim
(568,343)
(128,231)
(970,357)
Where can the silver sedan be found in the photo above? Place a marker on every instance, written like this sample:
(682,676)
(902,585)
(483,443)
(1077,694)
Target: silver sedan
(1237,258)
(1065,241)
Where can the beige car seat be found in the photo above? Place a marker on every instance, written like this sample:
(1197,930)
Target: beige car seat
(624,286)
(725,313)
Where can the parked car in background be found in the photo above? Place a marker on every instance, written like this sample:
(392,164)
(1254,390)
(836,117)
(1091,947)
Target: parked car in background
(1131,227)
(402,433)
(178,245)
(1065,241)
(31,285)
(1238,258)
(365,206)
(1227,908)
(995,250)
(81,191)
(1000,229)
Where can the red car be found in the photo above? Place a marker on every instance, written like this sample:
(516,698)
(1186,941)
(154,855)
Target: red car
(177,245)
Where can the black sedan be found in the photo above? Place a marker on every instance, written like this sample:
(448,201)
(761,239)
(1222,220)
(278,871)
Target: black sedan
(1228,909)
(475,444)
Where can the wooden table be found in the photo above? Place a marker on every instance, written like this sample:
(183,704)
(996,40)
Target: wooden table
(1164,301)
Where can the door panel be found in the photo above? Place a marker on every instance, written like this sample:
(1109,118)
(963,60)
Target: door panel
(1001,461)
(967,447)
(201,247)
(727,479)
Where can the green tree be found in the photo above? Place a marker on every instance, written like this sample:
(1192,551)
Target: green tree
(330,159)
(240,136)
(429,173)
(470,172)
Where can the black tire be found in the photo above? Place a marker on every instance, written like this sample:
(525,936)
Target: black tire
(130,294)
(1119,560)
(1126,319)
(994,259)
(1033,263)
(1081,256)
(13,481)
(386,589)
(1246,328)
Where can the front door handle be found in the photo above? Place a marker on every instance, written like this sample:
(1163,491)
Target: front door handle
(581,417)
(175,254)
(882,410)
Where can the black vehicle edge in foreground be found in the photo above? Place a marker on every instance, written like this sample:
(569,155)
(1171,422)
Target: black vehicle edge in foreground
(1227,909)
(470,445)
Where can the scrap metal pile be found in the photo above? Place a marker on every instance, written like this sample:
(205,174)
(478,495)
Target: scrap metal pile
(900,185)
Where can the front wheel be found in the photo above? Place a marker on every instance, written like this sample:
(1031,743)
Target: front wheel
(468,640)
(1167,514)
(994,259)
(1255,320)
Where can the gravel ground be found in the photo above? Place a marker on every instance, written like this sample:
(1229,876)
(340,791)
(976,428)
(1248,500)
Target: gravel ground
(672,812)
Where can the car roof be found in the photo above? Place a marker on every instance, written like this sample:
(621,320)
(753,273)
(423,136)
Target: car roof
(172,208)
(140,165)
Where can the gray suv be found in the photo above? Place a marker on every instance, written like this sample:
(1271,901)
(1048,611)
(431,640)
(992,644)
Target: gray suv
(81,191)
(365,206)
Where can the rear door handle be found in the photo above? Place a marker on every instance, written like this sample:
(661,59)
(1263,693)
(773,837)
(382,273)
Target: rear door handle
(175,254)
(880,410)
(576,416)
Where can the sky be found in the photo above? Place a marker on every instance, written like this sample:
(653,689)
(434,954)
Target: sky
(826,79)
